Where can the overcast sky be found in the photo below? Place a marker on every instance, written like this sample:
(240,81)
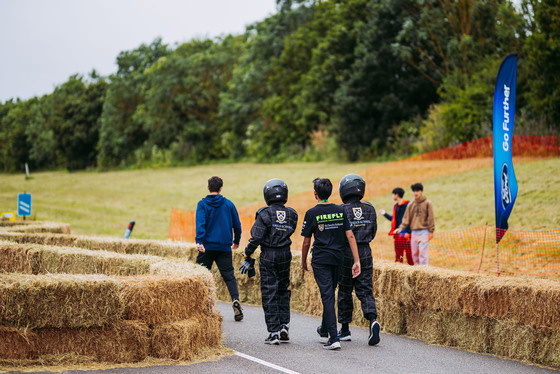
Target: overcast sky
(43,42)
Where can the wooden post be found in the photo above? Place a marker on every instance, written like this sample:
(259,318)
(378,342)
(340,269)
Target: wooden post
(483,244)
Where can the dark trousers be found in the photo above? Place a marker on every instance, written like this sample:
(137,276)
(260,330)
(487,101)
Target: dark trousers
(363,284)
(224,262)
(326,277)
(274,267)
(402,246)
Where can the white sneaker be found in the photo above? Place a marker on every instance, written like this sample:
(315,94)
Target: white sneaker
(332,344)
(237,310)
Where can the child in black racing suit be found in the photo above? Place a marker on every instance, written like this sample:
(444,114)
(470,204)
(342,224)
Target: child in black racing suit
(272,229)
(363,223)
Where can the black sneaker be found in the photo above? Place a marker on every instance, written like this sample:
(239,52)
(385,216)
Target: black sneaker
(284,333)
(323,335)
(344,336)
(237,310)
(272,339)
(332,344)
(374,333)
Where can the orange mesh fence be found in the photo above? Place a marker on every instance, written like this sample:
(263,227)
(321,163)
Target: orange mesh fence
(182,226)
(522,145)
(520,253)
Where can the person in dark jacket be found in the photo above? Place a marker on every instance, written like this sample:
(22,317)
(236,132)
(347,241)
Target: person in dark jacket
(273,227)
(402,241)
(218,231)
(363,223)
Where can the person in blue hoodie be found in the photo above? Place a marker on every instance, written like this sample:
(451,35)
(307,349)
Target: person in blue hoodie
(218,231)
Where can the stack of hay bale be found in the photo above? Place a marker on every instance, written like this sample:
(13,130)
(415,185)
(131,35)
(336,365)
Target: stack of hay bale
(67,298)
(516,318)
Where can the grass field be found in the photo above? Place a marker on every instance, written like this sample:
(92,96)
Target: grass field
(102,203)
(466,199)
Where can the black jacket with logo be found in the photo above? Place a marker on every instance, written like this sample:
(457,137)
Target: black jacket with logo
(273,227)
(363,220)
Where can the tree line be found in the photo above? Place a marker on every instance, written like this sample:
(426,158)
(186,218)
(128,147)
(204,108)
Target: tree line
(317,80)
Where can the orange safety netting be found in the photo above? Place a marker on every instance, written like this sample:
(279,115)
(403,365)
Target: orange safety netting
(534,253)
(522,145)
(520,253)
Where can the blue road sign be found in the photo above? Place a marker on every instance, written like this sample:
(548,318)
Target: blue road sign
(24,204)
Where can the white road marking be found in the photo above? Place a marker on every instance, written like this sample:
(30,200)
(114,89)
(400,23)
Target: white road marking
(265,363)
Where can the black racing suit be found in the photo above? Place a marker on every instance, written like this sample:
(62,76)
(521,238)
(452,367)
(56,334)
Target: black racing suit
(273,227)
(363,222)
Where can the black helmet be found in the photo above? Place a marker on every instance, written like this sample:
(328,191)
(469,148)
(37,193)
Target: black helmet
(275,190)
(351,185)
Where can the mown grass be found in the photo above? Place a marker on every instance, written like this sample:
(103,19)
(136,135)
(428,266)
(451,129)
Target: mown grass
(467,199)
(103,203)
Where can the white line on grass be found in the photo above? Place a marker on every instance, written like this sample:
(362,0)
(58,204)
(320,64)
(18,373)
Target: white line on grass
(265,363)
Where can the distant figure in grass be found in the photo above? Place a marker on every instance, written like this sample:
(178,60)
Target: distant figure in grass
(363,223)
(273,227)
(218,231)
(419,216)
(402,243)
(329,225)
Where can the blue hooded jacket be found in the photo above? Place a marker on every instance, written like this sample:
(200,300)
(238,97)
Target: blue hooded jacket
(216,217)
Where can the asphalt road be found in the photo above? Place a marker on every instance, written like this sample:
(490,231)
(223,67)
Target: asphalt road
(304,353)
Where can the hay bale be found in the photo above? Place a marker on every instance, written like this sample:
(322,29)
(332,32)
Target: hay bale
(136,246)
(41,227)
(61,301)
(5,223)
(124,341)
(424,324)
(533,302)
(182,268)
(54,259)
(13,259)
(163,299)
(43,238)
(422,286)
(546,347)
(129,246)
(49,259)
(391,317)
(184,339)
(512,340)
(450,328)
(393,282)
(16,344)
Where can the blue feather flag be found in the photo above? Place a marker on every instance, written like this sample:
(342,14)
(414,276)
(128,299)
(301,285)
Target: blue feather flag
(505,183)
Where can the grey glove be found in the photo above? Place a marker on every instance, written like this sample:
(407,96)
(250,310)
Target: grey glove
(248,267)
